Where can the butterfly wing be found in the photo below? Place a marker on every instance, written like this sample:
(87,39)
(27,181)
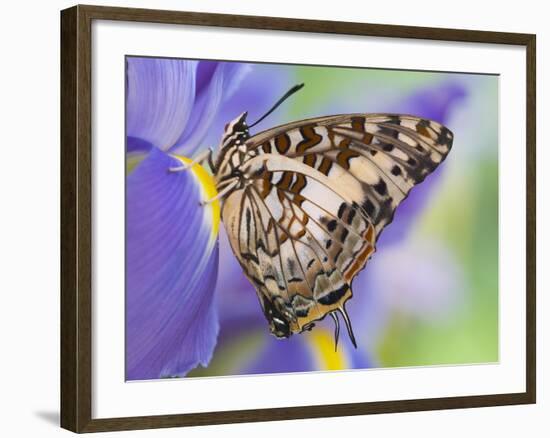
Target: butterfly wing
(387,153)
(319,193)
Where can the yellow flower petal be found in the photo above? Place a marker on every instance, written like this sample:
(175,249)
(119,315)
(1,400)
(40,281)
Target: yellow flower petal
(209,191)
(322,344)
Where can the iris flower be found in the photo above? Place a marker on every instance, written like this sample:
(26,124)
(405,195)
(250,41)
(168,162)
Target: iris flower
(186,295)
(171,246)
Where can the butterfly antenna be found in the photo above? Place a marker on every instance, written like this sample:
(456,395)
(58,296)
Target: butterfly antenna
(279,102)
(336,329)
(348,325)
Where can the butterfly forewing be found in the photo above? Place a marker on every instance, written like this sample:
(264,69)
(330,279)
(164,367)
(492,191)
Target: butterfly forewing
(317,194)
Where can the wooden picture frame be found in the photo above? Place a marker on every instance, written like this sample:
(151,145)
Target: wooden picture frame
(76,217)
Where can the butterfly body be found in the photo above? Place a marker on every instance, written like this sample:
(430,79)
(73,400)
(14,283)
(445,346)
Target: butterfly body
(304,203)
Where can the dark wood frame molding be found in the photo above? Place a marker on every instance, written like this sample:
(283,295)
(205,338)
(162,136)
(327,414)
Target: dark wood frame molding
(76,226)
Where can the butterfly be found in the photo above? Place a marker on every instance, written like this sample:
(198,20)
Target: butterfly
(304,203)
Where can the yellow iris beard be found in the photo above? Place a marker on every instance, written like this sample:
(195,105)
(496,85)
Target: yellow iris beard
(322,343)
(208,186)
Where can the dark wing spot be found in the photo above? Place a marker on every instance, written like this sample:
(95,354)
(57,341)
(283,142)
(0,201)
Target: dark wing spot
(381,187)
(396,170)
(341,210)
(310,139)
(368,206)
(445,137)
(390,132)
(291,265)
(358,124)
(249,256)
(299,184)
(248,218)
(334,296)
(325,166)
(282,143)
(351,215)
(310,159)
(422,128)
(345,233)
(343,158)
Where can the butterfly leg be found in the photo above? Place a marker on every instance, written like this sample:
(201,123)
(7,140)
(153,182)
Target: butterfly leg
(211,161)
(203,156)
(222,193)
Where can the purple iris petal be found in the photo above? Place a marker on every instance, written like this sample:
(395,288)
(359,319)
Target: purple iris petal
(160,95)
(137,145)
(360,359)
(281,356)
(434,103)
(429,283)
(171,269)
(368,311)
(205,71)
(236,294)
(263,86)
(214,85)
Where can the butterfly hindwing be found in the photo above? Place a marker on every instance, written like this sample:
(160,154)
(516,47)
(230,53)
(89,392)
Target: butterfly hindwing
(318,243)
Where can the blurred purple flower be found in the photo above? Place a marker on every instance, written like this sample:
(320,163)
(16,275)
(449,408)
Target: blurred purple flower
(171,252)
(429,282)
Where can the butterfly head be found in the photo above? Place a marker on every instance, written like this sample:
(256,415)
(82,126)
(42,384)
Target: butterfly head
(233,147)
(235,132)
(232,151)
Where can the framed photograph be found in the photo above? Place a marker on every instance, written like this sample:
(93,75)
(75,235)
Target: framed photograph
(268,218)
